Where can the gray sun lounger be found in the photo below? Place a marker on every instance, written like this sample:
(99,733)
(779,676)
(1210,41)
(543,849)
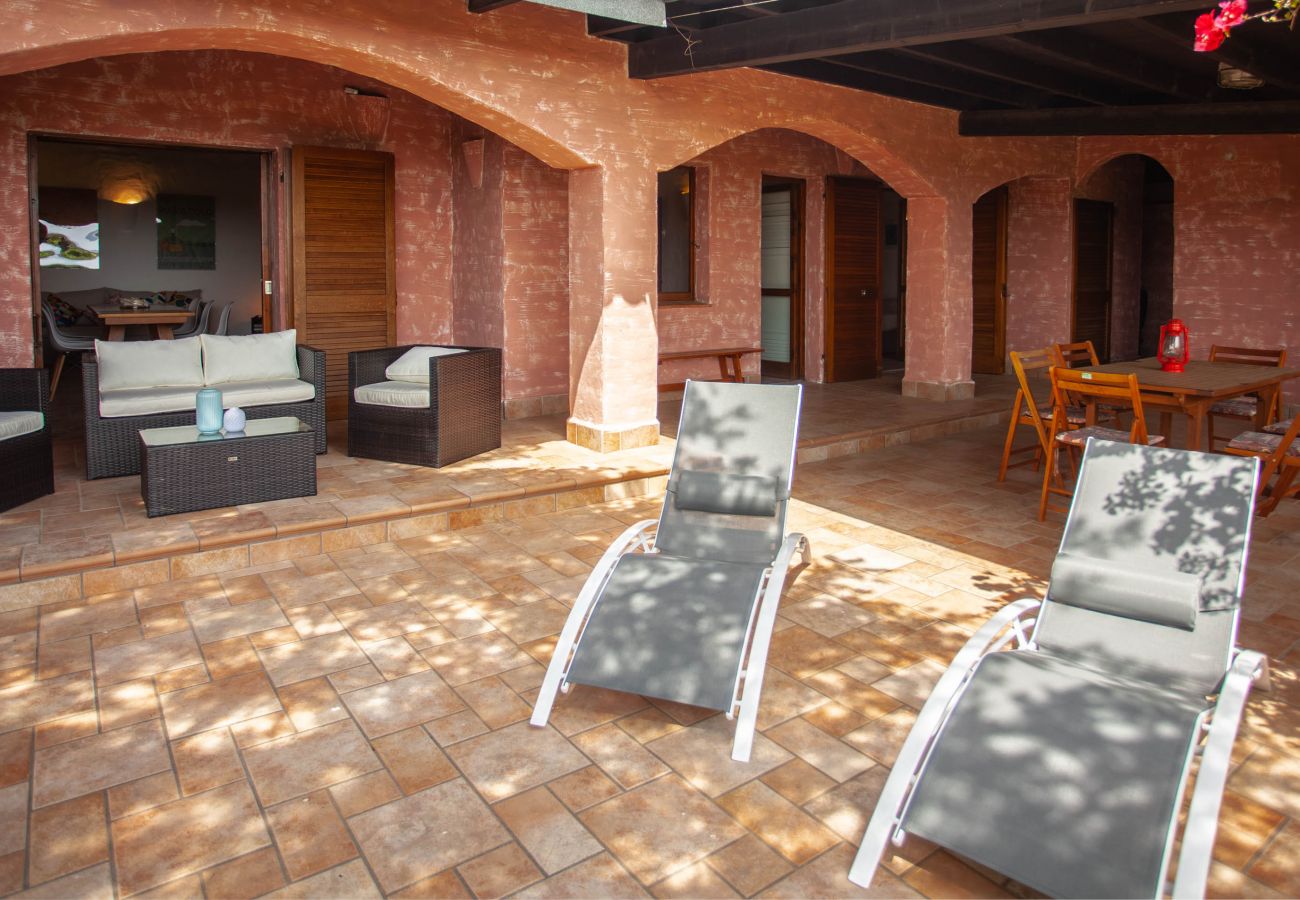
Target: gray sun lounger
(682,609)
(1062,761)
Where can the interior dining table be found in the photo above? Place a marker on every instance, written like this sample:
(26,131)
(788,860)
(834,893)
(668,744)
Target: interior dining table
(161,319)
(1198,387)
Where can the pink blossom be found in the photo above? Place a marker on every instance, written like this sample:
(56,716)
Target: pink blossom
(1234,13)
(1209,36)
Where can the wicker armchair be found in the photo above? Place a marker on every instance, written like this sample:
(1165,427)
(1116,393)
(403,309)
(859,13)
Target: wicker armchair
(26,460)
(113,444)
(463,418)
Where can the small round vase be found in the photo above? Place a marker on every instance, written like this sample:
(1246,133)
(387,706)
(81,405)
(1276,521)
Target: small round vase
(235,420)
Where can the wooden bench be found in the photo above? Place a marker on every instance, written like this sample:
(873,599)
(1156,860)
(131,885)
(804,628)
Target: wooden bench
(728,362)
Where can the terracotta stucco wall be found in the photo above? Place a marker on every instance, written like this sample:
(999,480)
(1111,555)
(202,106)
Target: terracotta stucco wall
(1039,251)
(478,244)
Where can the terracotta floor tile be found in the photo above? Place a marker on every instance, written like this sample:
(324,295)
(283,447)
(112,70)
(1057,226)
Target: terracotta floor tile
(943,875)
(310,835)
(702,755)
(413,759)
(530,621)
(217,624)
(95,883)
(274,637)
(495,703)
(67,837)
(827,615)
(186,836)
(146,657)
(301,590)
(18,649)
(12,866)
(748,864)
(1244,828)
(800,652)
(846,808)
(784,698)
(585,707)
(63,657)
(442,886)
(417,836)
(389,620)
(396,705)
(13,818)
(620,756)
(76,621)
(252,732)
(864,700)
(207,760)
(693,881)
(1226,883)
(583,788)
(350,881)
(514,759)
(141,794)
(366,792)
(25,704)
(356,678)
(97,762)
(15,757)
(832,756)
(232,656)
(394,657)
(1270,778)
(312,703)
(913,684)
(777,822)
(245,878)
(314,621)
(301,660)
(456,727)
(648,724)
(600,876)
(827,876)
(660,827)
(547,830)
(1279,866)
(299,764)
(499,872)
(218,703)
(460,662)
(883,738)
(798,782)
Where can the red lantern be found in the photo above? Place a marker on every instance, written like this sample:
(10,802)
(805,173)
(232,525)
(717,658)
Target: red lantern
(1174,346)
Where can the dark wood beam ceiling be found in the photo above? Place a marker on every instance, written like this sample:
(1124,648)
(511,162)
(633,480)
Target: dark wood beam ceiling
(1282,117)
(1277,68)
(482,6)
(1097,58)
(855,26)
(971,57)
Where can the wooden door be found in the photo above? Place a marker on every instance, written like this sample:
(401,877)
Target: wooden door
(853,278)
(781,279)
(1092,274)
(989,284)
(343,258)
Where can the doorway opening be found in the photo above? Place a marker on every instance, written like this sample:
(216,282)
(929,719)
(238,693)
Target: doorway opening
(989,283)
(782,281)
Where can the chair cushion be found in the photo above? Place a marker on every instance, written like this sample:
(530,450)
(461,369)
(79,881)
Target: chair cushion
(1079,437)
(1075,415)
(413,365)
(146,401)
(1279,427)
(266,392)
(1259,442)
(124,365)
(65,314)
(411,394)
(179,299)
(1108,586)
(1242,407)
(19,422)
(730,494)
(250,357)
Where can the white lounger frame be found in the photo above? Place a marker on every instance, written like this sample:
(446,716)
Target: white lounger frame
(1011,626)
(748,682)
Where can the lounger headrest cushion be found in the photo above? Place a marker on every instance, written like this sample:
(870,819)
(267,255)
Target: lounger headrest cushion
(1164,598)
(719,492)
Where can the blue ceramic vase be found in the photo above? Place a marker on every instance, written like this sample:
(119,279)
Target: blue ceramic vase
(207,410)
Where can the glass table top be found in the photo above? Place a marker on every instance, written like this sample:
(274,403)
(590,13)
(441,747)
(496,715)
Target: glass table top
(189,434)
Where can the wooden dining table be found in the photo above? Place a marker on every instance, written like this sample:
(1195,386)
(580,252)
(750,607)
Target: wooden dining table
(1201,385)
(161,319)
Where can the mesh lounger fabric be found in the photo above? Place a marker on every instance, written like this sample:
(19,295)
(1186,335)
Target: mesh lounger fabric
(671,628)
(1053,774)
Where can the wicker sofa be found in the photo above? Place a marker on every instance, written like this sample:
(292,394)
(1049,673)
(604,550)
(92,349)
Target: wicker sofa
(25,455)
(453,415)
(112,438)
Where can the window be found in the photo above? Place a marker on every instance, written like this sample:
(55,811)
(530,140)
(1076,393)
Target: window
(677,235)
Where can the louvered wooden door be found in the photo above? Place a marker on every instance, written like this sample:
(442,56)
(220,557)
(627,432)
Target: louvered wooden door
(343,258)
(1092,275)
(989,283)
(853,279)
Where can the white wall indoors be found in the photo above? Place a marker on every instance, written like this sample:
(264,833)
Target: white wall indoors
(128,242)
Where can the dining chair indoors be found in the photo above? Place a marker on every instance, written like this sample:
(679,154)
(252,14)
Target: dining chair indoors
(1088,390)
(219,322)
(63,344)
(1027,412)
(1242,408)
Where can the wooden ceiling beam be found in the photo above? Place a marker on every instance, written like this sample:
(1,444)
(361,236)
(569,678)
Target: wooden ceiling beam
(1084,53)
(938,75)
(971,57)
(482,6)
(1279,70)
(846,76)
(1282,117)
(857,26)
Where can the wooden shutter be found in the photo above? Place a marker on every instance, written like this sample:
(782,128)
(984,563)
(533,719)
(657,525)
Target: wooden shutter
(1092,274)
(853,279)
(343,258)
(989,283)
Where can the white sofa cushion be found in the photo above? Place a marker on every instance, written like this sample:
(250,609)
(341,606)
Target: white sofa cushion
(265,392)
(147,364)
(394,393)
(250,357)
(147,401)
(413,365)
(19,422)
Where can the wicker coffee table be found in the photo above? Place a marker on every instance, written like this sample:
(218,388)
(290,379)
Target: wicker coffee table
(184,471)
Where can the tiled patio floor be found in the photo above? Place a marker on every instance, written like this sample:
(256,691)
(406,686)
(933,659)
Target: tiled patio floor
(353,723)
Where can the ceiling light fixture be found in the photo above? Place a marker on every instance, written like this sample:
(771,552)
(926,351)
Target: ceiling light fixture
(1237,79)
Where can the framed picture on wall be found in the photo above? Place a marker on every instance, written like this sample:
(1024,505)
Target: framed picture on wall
(187,232)
(69,222)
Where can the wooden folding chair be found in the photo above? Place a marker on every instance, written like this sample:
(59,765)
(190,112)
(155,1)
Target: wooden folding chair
(1280,458)
(1076,355)
(1087,390)
(1242,407)
(1027,411)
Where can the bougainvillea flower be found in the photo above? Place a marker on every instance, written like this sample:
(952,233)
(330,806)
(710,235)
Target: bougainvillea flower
(1234,13)
(1209,36)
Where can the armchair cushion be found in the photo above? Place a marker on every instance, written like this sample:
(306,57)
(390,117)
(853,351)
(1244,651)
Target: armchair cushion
(413,365)
(394,393)
(146,401)
(147,364)
(250,357)
(267,391)
(19,422)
